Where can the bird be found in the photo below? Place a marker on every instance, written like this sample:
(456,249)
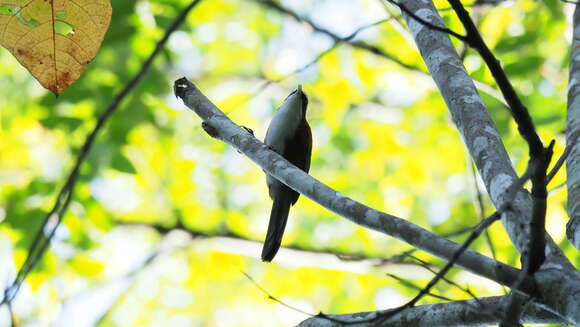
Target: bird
(290,136)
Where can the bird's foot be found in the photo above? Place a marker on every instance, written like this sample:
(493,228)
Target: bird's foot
(249,130)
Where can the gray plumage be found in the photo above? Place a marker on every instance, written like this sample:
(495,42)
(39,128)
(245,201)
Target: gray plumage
(288,134)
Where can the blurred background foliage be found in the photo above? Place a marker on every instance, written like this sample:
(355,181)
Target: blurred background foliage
(382,136)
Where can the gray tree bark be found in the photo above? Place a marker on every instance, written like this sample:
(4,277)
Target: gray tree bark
(468,313)
(573,137)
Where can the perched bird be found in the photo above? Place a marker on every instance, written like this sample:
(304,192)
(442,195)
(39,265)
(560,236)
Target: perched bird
(290,136)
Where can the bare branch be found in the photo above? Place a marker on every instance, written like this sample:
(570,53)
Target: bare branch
(537,241)
(463,313)
(11,313)
(409,284)
(493,163)
(219,126)
(534,253)
(432,26)
(337,39)
(511,192)
(484,224)
(539,157)
(425,265)
(561,160)
(337,42)
(519,111)
(470,115)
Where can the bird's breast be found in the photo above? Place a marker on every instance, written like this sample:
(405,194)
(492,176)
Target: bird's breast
(283,127)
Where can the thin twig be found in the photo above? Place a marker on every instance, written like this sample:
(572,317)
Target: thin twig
(426,266)
(428,23)
(534,251)
(481,209)
(337,42)
(519,111)
(535,254)
(409,284)
(369,47)
(510,194)
(477,231)
(12,316)
(336,37)
(275,299)
(219,126)
(562,159)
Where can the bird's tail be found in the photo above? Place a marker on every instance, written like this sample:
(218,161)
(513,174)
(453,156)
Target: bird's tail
(276,226)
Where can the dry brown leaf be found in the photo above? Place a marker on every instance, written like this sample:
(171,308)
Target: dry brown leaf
(54,39)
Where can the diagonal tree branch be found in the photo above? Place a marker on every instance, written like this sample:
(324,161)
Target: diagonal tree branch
(427,23)
(219,126)
(411,285)
(458,313)
(560,162)
(534,253)
(474,234)
(484,144)
(519,111)
(474,123)
(337,42)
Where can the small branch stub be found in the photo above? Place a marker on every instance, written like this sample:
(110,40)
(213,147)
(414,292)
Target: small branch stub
(210,130)
(180,87)
(275,165)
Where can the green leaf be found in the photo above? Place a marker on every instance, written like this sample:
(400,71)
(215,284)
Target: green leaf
(529,65)
(67,123)
(121,163)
